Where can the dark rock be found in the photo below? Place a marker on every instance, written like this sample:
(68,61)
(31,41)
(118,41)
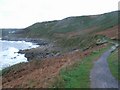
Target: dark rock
(29,56)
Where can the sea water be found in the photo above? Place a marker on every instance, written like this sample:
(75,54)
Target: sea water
(9,52)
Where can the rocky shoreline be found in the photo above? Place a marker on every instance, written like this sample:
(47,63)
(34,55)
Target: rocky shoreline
(39,53)
(46,49)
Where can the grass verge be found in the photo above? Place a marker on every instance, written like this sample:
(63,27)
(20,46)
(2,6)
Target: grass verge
(113,64)
(77,75)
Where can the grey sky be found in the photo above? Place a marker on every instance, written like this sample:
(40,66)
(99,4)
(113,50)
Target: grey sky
(22,13)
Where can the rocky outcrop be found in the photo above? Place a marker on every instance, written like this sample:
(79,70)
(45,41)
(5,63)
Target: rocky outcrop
(40,53)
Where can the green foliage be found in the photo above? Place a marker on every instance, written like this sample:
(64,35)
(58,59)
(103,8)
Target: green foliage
(52,29)
(77,76)
(70,24)
(113,64)
(80,42)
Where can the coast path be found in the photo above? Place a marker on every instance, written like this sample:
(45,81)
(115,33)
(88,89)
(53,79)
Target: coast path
(100,75)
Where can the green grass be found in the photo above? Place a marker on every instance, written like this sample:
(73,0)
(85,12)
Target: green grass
(77,75)
(79,42)
(52,30)
(113,64)
(71,24)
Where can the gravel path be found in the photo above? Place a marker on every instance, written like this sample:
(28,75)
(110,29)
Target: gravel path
(100,75)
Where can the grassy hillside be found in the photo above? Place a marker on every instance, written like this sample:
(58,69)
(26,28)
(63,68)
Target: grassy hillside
(72,32)
(113,64)
(70,24)
(78,28)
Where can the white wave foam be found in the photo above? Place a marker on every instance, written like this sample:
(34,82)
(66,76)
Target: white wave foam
(9,55)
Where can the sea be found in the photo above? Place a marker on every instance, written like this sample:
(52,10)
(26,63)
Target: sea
(9,52)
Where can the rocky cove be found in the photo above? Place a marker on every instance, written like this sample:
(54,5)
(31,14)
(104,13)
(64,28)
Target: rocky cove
(41,52)
(19,50)
(45,49)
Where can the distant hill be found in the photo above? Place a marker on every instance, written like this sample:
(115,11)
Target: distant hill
(72,31)
(5,32)
(73,24)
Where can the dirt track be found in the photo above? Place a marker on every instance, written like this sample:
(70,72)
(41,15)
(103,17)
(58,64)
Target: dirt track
(101,76)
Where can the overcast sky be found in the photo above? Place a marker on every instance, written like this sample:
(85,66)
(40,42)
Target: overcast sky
(22,13)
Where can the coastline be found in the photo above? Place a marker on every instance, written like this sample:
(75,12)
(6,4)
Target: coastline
(37,41)
(9,52)
(45,49)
